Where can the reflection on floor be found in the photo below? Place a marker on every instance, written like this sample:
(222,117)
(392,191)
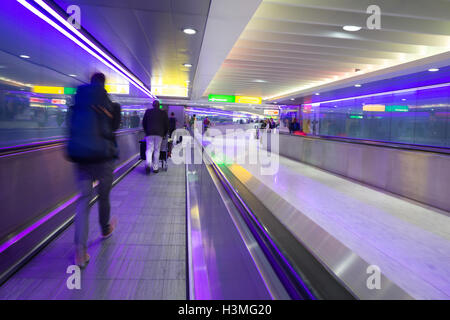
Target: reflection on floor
(144,259)
(408,241)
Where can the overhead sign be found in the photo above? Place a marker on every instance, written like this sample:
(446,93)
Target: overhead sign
(48,90)
(117,88)
(251,100)
(271,112)
(58,101)
(397,108)
(53,90)
(221,98)
(374,107)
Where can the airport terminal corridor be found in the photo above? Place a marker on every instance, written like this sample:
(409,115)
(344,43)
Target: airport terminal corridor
(225,153)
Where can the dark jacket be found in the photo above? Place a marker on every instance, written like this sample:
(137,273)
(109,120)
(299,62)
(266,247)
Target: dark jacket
(294,126)
(155,122)
(172,124)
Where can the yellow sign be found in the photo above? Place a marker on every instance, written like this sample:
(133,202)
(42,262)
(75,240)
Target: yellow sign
(170,91)
(251,100)
(374,107)
(48,90)
(117,88)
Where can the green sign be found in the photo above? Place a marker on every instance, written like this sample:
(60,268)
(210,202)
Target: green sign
(70,90)
(353,116)
(221,98)
(397,108)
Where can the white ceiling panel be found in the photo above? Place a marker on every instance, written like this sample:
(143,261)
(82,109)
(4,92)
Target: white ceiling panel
(290,45)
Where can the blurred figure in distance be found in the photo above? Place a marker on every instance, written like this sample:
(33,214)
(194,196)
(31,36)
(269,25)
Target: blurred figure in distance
(156,126)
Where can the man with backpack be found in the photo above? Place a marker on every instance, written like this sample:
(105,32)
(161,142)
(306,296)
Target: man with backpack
(92,146)
(156,126)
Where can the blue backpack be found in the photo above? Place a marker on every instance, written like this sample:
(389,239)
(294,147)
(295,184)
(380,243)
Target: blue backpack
(91,136)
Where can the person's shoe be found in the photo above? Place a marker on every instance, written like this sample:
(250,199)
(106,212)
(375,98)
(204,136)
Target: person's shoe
(82,258)
(156,171)
(112,226)
(147,170)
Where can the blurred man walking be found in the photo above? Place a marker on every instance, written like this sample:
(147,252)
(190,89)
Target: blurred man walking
(156,126)
(92,146)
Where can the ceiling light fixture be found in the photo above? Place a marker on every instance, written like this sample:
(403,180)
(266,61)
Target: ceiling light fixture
(72,75)
(317,94)
(351,28)
(358,85)
(433,69)
(189,31)
(24,56)
(187,65)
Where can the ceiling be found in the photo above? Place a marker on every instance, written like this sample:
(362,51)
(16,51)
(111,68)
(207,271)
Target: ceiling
(147,37)
(292,45)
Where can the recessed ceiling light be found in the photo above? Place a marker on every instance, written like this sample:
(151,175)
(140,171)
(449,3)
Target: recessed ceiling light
(292,99)
(351,28)
(72,75)
(317,94)
(358,85)
(25,56)
(433,69)
(403,99)
(189,31)
(187,65)
(259,80)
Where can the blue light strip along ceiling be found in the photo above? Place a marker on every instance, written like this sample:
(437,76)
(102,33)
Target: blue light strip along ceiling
(49,15)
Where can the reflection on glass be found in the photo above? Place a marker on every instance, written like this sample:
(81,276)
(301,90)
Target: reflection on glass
(415,117)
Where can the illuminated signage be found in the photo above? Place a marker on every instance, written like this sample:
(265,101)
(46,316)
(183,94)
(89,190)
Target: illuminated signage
(221,98)
(58,101)
(252,100)
(374,107)
(170,91)
(70,90)
(271,112)
(48,90)
(53,90)
(397,108)
(307,108)
(234,99)
(37,100)
(117,88)
(355,116)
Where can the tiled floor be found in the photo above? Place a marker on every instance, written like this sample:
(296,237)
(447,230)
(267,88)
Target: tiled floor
(144,259)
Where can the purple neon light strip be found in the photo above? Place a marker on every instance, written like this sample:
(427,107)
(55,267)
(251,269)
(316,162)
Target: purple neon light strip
(32,144)
(34,226)
(80,35)
(83,46)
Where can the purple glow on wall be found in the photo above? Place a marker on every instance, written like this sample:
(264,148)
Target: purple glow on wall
(37,224)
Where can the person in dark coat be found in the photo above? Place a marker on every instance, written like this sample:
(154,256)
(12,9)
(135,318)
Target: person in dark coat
(156,126)
(91,145)
(172,124)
